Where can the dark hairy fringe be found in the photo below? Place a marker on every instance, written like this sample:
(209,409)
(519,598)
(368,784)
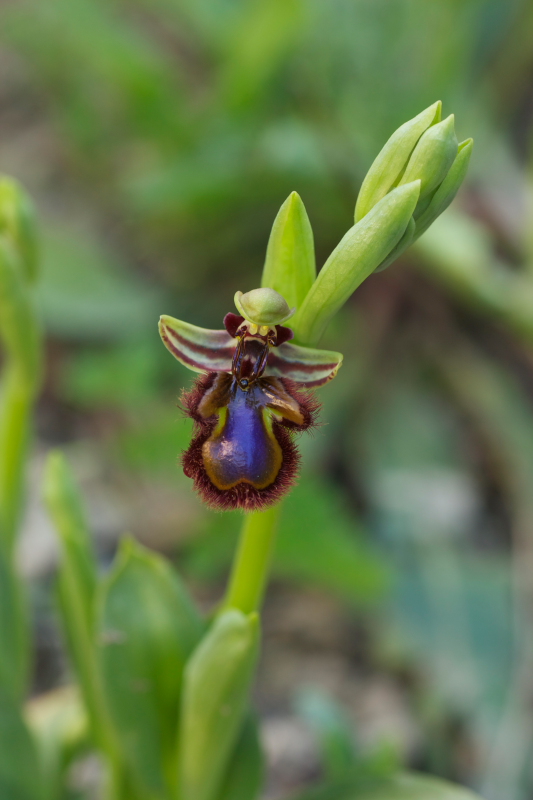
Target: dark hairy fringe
(190,398)
(243,495)
(309,404)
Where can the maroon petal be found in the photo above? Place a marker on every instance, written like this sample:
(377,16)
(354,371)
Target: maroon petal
(232,323)
(283,335)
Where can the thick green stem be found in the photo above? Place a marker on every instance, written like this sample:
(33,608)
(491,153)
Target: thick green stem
(252,561)
(15,409)
(14,424)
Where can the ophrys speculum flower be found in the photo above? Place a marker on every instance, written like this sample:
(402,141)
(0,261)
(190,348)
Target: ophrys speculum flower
(253,396)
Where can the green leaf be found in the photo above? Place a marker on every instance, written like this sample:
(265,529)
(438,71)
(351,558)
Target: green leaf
(77,589)
(65,506)
(409,786)
(17,220)
(20,777)
(432,157)
(148,628)
(13,630)
(244,776)
(290,260)
(390,162)
(403,786)
(215,696)
(448,188)
(357,255)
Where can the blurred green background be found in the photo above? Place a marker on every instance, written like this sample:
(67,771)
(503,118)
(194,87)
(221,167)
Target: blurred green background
(159,138)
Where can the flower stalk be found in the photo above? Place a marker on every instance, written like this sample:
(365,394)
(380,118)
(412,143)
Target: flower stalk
(19,385)
(252,559)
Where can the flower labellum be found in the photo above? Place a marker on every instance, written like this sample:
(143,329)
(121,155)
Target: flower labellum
(251,399)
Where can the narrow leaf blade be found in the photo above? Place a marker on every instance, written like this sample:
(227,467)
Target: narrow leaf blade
(199,349)
(20,777)
(59,723)
(13,630)
(19,330)
(17,219)
(77,591)
(65,506)
(403,786)
(244,776)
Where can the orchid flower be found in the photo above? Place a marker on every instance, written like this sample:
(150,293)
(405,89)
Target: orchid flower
(253,395)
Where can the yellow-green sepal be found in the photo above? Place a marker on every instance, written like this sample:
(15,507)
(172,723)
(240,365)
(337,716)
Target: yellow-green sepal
(14,624)
(290,266)
(198,349)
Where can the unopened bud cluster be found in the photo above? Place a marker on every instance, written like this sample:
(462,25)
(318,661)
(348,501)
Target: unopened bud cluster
(425,149)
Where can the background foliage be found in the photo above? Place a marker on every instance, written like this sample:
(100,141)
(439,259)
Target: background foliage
(160,139)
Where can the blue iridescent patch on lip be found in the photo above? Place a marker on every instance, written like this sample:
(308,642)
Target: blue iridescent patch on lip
(243,448)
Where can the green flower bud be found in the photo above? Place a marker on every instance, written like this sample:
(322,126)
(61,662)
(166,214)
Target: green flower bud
(363,248)
(406,240)
(447,190)
(263,307)
(214,701)
(434,204)
(432,157)
(391,161)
